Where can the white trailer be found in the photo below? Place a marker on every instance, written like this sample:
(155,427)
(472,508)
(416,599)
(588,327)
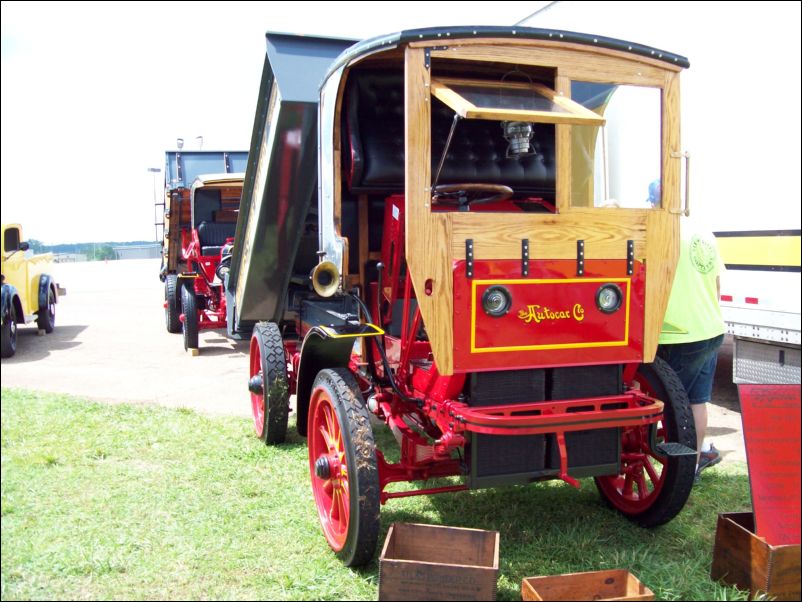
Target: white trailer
(760,302)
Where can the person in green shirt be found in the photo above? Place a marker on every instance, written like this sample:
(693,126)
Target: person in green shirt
(694,330)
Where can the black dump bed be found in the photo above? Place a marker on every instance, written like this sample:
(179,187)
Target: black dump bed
(281,178)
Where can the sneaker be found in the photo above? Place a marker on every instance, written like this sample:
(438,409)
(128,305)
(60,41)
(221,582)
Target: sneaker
(708,459)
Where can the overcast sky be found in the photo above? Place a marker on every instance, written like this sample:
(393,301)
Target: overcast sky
(94,93)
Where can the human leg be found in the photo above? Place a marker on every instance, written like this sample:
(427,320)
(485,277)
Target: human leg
(695,365)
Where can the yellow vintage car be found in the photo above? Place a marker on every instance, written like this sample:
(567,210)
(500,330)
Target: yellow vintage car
(29,291)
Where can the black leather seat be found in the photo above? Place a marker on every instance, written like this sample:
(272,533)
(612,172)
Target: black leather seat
(213,236)
(374,133)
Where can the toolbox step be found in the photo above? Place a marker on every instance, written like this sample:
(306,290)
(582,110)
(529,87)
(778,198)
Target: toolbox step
(675,449)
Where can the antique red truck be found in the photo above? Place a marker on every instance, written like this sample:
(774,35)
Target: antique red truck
(445,230)
(202,196)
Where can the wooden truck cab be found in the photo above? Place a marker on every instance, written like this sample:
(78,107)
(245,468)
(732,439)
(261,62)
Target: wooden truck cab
(497,228)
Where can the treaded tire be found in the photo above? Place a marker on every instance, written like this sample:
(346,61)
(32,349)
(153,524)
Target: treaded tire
(670,492)
(336,406)
(172,307)
(189,307)
(271,408)
(8,335)
(46,316)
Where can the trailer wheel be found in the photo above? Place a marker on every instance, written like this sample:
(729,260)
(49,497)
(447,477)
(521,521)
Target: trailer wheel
(189,307)
(8,335)
(651,488)
(46,316)
(172,304)
(343,467)
(270,400)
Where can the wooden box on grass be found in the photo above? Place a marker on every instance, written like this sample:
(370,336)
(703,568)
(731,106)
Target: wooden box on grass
(615,584)
(429,562)
(745,560)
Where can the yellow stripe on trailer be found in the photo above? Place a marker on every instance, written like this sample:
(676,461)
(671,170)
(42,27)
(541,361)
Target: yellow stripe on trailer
(779,249)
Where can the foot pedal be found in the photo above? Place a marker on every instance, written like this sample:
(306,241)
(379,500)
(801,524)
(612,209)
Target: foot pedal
(673,449)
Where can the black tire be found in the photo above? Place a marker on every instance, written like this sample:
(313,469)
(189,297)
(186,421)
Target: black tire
(172,304)
(189,307)
(46,316)
(675,480)
(8,335)
(336,389)
(267,346)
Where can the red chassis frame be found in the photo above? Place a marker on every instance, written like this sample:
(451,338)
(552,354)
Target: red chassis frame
(202,269)
(425,411)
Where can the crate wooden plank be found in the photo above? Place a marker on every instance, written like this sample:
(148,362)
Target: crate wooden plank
(613,584)
(430,562)
(745,560)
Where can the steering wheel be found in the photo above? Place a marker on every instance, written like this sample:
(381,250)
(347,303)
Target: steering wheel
(462,195)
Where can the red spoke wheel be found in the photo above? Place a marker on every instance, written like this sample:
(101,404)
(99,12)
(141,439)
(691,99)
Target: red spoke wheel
(270,399)
(651,488)
(342,463)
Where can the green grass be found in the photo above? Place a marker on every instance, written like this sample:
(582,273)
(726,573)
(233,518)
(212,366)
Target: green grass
(131,502)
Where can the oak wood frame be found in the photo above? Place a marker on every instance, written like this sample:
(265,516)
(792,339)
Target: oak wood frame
(435,240)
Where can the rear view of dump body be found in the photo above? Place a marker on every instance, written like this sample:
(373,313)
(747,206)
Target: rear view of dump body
(180,170)
(477,268)
(277,229)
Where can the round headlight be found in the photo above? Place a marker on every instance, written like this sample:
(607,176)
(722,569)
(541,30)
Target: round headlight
(608,298)
(496,301)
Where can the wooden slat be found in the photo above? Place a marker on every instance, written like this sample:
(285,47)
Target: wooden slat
(533,116)
(605,232)
(663,228)
(576,112)
(456,102)
(577,62)
(662,252)
(562,134)
(566,103)
(427,234)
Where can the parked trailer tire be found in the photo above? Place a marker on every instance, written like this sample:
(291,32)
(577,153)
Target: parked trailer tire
(189,307)
(651,489)
(8,335)
(342,463)
(270,398)
(46,316)
(172,304)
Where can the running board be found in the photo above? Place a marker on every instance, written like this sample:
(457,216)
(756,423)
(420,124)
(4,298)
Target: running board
(673,449)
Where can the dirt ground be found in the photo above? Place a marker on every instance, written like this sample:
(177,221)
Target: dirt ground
(111,344)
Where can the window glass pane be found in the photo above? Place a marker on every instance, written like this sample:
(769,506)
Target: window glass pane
(617,165)
(505,98)
(11,242)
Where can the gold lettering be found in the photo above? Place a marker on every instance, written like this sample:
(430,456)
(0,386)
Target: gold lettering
(539,313)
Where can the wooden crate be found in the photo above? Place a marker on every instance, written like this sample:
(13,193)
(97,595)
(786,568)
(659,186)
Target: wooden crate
(615,584)
(429,562)
(745,560)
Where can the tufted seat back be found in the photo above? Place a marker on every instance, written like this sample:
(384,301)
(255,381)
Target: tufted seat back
(374,143)
(213,236)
